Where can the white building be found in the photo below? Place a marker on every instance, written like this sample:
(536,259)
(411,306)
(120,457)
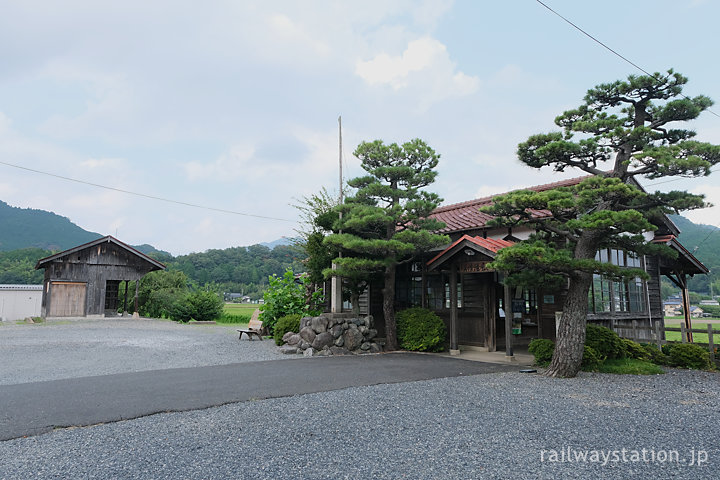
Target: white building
(20,301)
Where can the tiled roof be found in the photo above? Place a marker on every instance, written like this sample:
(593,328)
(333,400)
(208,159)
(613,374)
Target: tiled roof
(695,265)
(487,245)
(467,216)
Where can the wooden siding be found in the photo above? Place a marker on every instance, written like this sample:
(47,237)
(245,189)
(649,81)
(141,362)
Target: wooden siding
(68,299)
(97,267)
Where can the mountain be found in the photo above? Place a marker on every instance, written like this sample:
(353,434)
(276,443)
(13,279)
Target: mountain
(28,227)
(282,241)
(703,241)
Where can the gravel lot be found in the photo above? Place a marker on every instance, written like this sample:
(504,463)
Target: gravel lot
(500,425)
(80,348)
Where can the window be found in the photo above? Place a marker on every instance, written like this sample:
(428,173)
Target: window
(435,292)
(617,296)
(459,295)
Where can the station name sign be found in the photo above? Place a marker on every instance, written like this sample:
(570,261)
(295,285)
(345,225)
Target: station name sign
(474,267)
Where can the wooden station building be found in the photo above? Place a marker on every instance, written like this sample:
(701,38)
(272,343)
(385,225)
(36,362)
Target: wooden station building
(84,281)
(456,283)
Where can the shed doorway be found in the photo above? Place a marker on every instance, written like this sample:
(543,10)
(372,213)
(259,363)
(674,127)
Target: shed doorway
(67,299)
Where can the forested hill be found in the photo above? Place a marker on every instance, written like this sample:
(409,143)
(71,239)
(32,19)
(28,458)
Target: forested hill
(703,241)
(28,227)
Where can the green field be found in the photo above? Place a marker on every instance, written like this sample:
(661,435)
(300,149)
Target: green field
(236,308)
(697,324)
(237,313)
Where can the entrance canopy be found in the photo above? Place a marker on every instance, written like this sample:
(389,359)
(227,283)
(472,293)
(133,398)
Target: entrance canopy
(487,249)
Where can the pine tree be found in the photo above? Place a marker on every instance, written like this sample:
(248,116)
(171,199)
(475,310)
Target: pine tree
(386,221)
(625,130)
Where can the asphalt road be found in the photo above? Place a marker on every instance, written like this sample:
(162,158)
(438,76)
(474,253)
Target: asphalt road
(38,407)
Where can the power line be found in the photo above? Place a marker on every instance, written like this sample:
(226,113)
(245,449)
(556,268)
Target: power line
(610,49)
(153,197)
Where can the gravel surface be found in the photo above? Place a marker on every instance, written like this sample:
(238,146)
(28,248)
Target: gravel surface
(498,425)
(68,349)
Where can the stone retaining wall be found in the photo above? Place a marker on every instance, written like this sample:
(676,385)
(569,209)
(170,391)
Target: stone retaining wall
(333,334)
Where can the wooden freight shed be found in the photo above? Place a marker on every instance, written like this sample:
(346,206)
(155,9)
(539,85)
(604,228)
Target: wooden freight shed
(85,281)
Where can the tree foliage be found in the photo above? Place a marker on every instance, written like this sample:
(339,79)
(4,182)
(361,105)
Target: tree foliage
(623,131)
(386,221)
(286,295)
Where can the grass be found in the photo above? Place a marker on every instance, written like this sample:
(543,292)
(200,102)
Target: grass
(630,366)
(235,308)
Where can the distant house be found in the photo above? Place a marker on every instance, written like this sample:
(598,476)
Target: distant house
(672,308)
(696,312)
(85,281)
(20,301)
(710,302)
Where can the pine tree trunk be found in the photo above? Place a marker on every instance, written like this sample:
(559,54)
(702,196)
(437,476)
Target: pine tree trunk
(570,342)
(389,309)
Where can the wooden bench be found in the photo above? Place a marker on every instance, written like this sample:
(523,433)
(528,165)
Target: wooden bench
(255,327)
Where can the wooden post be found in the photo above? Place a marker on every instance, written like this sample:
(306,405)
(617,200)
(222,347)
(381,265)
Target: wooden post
(686,311)
(125,300)
(508,322)
(453,310)
(683,331)
(491,340)
(635,331)
(711,344)
(658,336)
(137,287)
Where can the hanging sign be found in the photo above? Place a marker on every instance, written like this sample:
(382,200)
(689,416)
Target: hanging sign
(474,267)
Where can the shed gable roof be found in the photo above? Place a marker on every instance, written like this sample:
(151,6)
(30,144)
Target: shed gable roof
(43,262)
(486,246)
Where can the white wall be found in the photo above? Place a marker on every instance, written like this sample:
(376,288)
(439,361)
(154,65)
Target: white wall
(20,301)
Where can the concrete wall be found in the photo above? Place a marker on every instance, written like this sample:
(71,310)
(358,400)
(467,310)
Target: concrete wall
(20,301)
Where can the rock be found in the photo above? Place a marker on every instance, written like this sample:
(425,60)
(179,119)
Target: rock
(340,341)
(352,338)
(358,321)
(365,346)
(307,334)
(340,351)
(288,349)
(293,339)
(371,333)
(303,345)
(336,331)
(324,339)
(323,353)
(305,322)
(375,348)
(363,329)
(287,336)
(345,325)
(309,352)
(319,324)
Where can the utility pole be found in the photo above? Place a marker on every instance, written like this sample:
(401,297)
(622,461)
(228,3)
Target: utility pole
(336,282)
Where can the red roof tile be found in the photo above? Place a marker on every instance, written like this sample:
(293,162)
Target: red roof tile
(489,244)
(467,215)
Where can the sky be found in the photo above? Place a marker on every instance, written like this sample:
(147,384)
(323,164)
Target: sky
(234,105)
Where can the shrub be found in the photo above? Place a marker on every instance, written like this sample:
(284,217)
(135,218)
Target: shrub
(543,350)
(288,323)
(419,329)
(655,355)
(605,342)
(635,350)
(591,361)
(286,296)
(199,305)
(688,355)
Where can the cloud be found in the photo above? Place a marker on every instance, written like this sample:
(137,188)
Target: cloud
(228,166)
(424,54)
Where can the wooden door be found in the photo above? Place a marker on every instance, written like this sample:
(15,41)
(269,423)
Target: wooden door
(67,299)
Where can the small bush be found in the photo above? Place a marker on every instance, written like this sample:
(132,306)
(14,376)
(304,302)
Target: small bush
(635,350)
(591,361)
(542,349)
(655,355)
(688,355)
(605,342)
(419,329)
(666,348)
(199,305)
(288,323)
